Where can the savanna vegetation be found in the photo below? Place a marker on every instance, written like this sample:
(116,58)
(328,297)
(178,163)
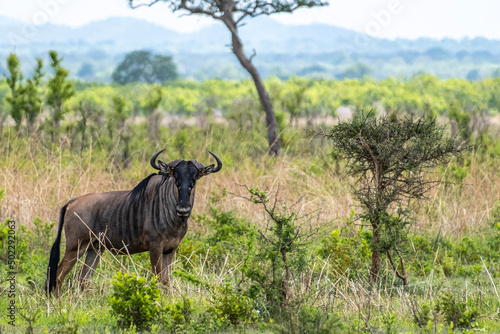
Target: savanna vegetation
(275,244)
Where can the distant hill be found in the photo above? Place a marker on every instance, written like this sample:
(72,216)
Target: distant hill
(316,50)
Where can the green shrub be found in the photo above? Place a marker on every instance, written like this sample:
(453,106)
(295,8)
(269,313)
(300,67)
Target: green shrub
(231,309)
(180,315)
(134,301)
(350,254)
(495,212)
(312,320)
(389,321)
(494,242)
(229,240)
(424,255)
(42,233)
(70,322)
(448,265)
(280,253)
(14,234)
(422,316)
(463,314)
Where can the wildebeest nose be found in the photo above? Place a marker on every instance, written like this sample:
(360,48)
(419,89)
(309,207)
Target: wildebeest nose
(183,211)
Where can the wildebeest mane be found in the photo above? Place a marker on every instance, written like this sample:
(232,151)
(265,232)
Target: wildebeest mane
(138,192)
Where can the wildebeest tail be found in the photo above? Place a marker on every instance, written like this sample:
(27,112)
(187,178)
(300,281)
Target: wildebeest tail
(55,253)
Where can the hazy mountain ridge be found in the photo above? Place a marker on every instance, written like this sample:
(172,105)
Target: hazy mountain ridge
(282,50)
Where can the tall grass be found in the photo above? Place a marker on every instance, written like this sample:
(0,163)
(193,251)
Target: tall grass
(39,177)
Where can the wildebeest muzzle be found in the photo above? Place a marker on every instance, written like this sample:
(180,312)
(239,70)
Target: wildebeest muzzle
(183,211)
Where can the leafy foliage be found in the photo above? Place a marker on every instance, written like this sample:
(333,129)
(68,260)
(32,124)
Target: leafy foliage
(33,103)
(312,320)
(389,156)
(143,66)
(59,90)
(347,254)
(460,313)
(231,309)
(16,98)
(280,256)
(134,301)
(25,99)
(180,315)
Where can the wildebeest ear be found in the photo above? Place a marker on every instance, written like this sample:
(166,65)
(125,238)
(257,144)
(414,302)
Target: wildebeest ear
(205,171)
(165,169)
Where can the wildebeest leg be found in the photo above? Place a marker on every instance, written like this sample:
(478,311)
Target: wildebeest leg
(168,257)
(91,262)
(67,263)
(156,257)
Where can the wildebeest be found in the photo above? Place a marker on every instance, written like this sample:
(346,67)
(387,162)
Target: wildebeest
(151,217)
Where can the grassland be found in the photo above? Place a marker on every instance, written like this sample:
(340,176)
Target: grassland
(453,259)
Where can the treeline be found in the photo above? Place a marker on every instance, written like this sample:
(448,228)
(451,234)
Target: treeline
(295,97)
(49,105)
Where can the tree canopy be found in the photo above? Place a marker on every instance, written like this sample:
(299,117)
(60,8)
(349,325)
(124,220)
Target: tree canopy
(143,66)
(390,158)
(240,9)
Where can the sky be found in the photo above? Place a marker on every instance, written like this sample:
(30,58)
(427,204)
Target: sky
(378,18)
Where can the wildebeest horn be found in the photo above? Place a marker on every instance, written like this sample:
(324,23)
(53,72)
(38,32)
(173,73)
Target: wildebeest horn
(219,163)
(153,160)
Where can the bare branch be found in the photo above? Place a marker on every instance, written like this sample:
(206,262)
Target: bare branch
(402,277)
(266,238)
(199,10)
(254,53)
(147,4)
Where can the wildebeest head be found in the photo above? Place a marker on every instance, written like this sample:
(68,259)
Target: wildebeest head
(185,175)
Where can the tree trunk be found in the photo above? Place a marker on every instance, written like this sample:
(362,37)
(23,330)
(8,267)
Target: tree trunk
(375,268)
(272,125)
(402,274)
(287,277)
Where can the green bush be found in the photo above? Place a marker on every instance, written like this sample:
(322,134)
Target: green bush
(350,254)
(280,253)
(231,309)
(389,323)
(463,314)
(179,315)
(229,240)
(134,301)
(469,250)
(422,316)
(313,320)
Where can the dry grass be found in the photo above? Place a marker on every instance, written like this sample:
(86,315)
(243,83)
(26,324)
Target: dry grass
(460,209)
(41,184)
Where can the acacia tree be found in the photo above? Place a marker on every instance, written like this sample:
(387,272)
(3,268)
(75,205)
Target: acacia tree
(390,158)
(232,13)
